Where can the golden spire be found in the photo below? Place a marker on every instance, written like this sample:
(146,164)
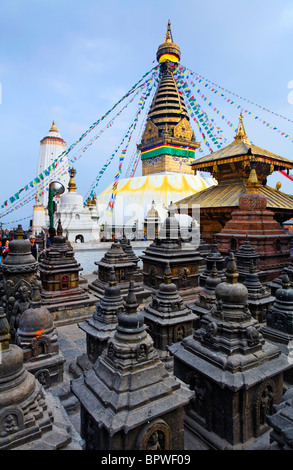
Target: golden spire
(241,134)
(168,36)
(168,50)
(53,127)
(71,184)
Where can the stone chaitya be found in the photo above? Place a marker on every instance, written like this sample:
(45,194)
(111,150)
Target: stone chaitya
(281,422)
(168,318)
(128,399)
(127,248)
(236,375)
(29,415)
(169,247)
(125,270)
(38,338)
(246,258)
(277,282)
(19,276)
(279,322)
(214,256)
(59,272)
(100,326)
(259,295)
(206,296)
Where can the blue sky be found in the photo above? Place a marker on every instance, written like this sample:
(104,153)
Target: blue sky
(71,61)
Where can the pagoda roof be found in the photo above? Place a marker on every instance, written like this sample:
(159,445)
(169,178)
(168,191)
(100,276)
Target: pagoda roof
(241,149)
(227,195)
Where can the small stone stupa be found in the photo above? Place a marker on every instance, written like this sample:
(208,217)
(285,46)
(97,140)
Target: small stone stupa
(279,322)
(29,416)
(214,257)
(100,326)
(168,318)
(125,270)
(128,399)
(276,283)
(19,271)
(228,364)
(246,258)
(169,247)
(259,296)
(207,295)
(38,338)
(281,422)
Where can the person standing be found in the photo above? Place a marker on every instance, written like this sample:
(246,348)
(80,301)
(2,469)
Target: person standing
(34,247)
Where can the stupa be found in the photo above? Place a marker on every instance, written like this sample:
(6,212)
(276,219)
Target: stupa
(19,271)
(281,422)
(61,292)
(168,318)
(128,399)
(277,282)
(253,221)
(38,338)
(279,322)
(236,375)
(30,417)
(125,270)
(206,296)
(246,257)
(214,256)
(51,147)
(169,247)
(80,223)
(231,166)
(259,295)
(167,148)
(100,326)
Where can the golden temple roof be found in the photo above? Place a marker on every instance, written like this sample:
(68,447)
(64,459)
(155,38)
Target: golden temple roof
(238,149)
(227,195)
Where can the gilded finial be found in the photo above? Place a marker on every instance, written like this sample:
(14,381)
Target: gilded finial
(53,127)
(71,184)
(241,134)
(168,36)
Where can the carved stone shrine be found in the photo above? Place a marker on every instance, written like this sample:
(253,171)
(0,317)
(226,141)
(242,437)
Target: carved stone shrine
(128,399)
(207,295)
(29,416)
(100,326)
(19,276)
(213,257)
(259,295)
(125,270)
(38,338)
(169,247)
(168,318)
(235,374)
(279,324)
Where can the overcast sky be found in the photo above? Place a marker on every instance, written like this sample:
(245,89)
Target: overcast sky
(72,60)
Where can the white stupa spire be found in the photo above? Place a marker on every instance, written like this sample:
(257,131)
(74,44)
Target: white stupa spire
(51,146)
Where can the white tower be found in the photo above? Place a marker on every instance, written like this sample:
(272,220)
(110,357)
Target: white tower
(51,146)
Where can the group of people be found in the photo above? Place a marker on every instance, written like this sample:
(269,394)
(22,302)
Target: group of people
(4,245)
